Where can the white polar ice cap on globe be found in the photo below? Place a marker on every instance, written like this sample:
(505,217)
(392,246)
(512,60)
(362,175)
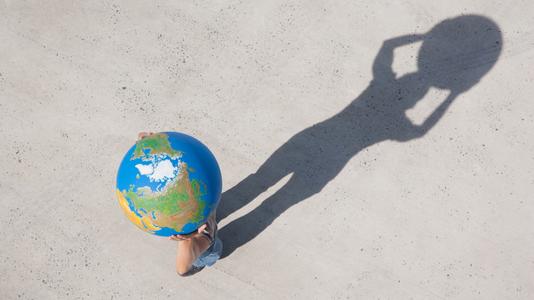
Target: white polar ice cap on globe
(145,169)
(159,171)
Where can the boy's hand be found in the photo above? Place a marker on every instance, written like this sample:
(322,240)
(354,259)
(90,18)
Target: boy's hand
(142,135)
(183,237)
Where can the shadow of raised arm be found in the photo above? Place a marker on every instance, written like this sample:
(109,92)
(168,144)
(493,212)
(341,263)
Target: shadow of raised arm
(417,131)
(382,69)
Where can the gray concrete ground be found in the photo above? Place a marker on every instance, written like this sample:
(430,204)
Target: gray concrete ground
(375,209)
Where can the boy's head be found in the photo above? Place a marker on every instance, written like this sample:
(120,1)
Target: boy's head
(458,52)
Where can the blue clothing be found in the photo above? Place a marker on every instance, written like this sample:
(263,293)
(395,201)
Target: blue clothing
(211,255)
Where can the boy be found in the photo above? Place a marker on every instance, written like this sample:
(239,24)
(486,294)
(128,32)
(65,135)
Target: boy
(198,249)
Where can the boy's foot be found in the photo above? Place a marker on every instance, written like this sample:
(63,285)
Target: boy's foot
(193,270)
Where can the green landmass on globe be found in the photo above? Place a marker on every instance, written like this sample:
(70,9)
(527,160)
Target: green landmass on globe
(155,144)
(178,203)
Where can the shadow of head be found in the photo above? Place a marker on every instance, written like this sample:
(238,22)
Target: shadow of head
(458,52)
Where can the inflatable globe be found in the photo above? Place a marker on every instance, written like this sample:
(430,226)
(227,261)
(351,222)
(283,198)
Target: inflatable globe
(168,183)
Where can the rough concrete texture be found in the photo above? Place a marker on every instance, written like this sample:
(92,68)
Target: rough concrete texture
(375,209)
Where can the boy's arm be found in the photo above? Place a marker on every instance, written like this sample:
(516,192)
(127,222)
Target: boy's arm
(189,250)
(190,247)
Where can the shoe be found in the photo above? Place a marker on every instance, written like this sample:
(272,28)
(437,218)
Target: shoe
(193,270)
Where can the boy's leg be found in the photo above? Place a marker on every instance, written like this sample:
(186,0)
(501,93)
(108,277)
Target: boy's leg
(188,251)
(191,253)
